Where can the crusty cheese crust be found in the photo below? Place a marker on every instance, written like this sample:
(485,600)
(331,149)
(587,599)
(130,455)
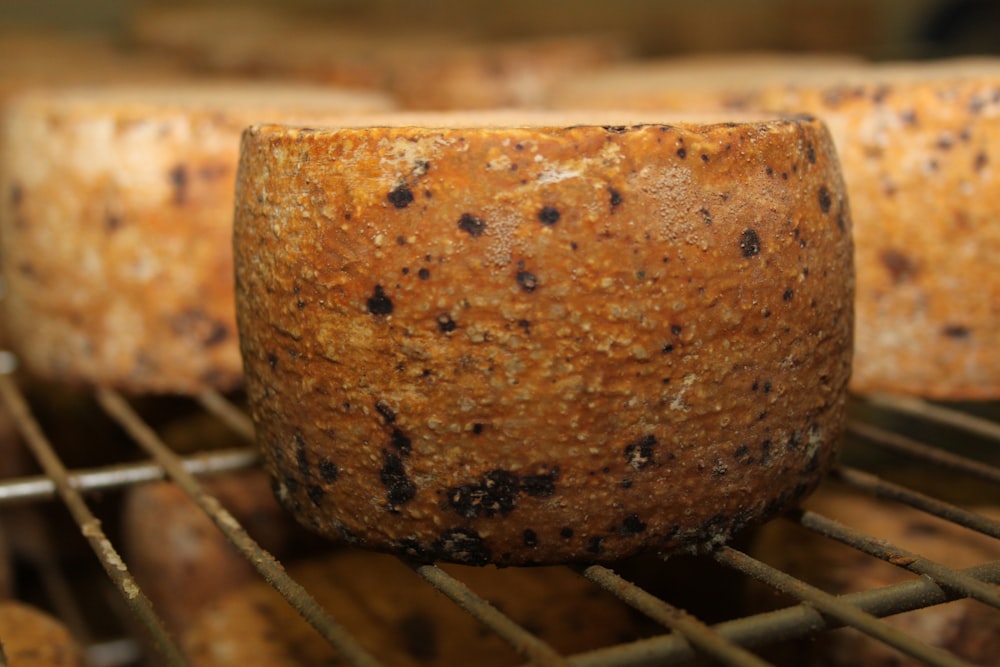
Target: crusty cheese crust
(543,344)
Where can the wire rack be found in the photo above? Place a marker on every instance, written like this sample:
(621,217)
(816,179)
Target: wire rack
(901,427)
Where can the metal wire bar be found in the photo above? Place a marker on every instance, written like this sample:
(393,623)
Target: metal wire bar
(881,488)
(926,453)
(229,414)
(700,635)
(830,605)
(946,576)
(525,643)
(783,624)
(918,407)
(268,566)
(40,487)
(90,525)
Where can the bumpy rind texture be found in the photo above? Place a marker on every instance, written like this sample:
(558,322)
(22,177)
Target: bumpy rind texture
(116,226)
(917,145)
(540,345)
(919,157)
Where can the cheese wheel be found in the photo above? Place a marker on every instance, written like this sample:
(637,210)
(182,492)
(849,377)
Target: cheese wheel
(401,619)
(526,339)
(968,628)
(32,638)
(918,148)
(116,218)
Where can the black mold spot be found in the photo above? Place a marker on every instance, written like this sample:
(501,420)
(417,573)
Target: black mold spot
(315,494)
(399,488)
(676,329)
(401,197)
(530,538)
(379,303)
(301,457)
(272,360)
(980,161)
(667,349)
(328,470)
(566,533)
(957,331)
(495,494)
(415,550)
(477,428)
(540,486)
(900,267)
(706,216)
(445,323)
(704,157)
(594,544)
(615,197)
(388,414)
(471,224)
(682,153)
(199,325)
(788,294)
(463,546)
(527,280)
(767,386)
(811,154)
(626,483)
(424,274)
(401,442)
(824,199)
(632,525)
(548,215)
(616,129)
(639,454)
(418,636)
(742,455)
(749,243)
(178,177)
(400,240)
(16,195)
(765,452)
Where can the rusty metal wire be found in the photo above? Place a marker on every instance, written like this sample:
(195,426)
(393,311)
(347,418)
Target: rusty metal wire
(831,605)
(698,634)
(267,565)
(90,525)
(526,644)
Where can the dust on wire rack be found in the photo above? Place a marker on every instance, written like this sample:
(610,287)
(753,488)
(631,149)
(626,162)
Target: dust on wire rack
(876,425)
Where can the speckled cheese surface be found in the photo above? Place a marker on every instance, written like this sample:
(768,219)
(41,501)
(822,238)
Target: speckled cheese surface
(917,142)
(547,343)
(116,227)
(919,149)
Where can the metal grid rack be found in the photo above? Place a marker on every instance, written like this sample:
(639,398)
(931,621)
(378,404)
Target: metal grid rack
(684,636)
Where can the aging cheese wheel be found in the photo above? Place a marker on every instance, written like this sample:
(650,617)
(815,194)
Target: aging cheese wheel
(918,144)
(401,619)
(116,222)
(543,341)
